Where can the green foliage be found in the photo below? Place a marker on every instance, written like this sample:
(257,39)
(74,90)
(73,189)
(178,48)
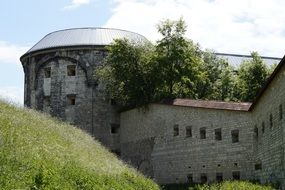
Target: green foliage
(236,185)
(39,152)
(226,185)
(175,67)
(252,75)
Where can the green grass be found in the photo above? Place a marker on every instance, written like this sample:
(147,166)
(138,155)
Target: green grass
(40,152)
(226,185)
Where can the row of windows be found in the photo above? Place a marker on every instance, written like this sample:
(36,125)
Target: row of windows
(270,122)
(218,133)
(219,177)
(71,71)
(70,100)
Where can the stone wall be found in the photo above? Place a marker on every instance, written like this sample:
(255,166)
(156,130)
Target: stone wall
(269,145)
(176,159)
(92,111)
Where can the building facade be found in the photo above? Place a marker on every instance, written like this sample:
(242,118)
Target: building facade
(177,141)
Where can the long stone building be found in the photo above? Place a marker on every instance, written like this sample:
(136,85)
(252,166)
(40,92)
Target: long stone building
(176,141)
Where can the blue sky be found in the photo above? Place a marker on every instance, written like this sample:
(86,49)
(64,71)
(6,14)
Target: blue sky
(226,26)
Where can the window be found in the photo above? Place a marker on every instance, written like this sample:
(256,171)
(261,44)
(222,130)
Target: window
(258,166)
(116,152)
(47,72)
(188,131)
(271,120)
(280,112)
(236,175)
(115,128)
(219,177)
(235,136)
(263,127)
(218,134)
(256,132)
(113,102)
(202,133)
(176,130)
(190,178)
(71,70)
(204,178)
(71,99)
(47,101)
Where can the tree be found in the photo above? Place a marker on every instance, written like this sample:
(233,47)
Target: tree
(177,62)
(127,73)
(252,75)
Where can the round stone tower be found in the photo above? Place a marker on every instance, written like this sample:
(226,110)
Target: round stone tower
(59,79)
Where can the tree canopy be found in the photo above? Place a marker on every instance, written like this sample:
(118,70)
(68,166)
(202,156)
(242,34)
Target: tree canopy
(135,74)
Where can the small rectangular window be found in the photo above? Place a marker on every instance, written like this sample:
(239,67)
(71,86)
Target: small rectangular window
(235,136)
(47,101)
(71,70)
(280,112)
(190,178)
(256,132)
(258,166)
(236,175)
(188,131)
(47,72)
(271,120)
(117,152)
(219,177)
(203,133)
(71,99)
(204,178)
(176,130)
(263,127)
(218,134)
(115,128)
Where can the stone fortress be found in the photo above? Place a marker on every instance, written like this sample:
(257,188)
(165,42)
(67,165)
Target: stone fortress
(175,141)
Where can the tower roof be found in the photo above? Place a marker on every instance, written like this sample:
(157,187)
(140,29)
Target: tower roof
(83,37)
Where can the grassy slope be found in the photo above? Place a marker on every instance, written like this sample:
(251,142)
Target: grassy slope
(39,152)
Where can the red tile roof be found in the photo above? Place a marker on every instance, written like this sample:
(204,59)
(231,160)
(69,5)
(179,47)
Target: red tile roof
(243,106)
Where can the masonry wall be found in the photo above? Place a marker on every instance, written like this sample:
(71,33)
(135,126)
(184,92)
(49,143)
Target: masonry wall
(270,144)
(92,111)
(177,159)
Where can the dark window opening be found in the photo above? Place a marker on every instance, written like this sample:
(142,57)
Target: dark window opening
(71,70)
(71,99)
(175,130)
(236,175)
(258,166)
(218,134)
(115,128)
(116,152)
(204,178)
(203,166)
(47,72)
(235,136)
(188,131)
(113,102)
(256,132)
(219,165)
(263,127)
(271,120)
(219,177)
(235,164)
(47,100)
(190,178)
(280,112)
(203,133)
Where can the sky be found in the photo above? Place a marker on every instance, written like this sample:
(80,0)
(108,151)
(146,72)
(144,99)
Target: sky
(226,26)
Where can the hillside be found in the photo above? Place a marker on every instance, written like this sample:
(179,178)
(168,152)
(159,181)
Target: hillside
(40,152)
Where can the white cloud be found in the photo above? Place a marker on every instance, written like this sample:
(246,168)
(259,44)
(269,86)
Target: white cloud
(227,26)
(12,94)
(11,53)
(76,3)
